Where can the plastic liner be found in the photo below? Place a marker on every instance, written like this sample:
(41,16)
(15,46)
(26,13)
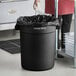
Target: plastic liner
(36,20)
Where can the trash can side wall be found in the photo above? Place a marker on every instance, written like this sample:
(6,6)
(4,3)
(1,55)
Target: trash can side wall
(37,51)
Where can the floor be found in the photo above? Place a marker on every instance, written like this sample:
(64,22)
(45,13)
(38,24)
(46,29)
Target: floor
(10,65)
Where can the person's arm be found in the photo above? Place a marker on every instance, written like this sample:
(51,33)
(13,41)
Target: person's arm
(35,5)
(36,1)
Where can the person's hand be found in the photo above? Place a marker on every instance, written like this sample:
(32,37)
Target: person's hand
(35,5)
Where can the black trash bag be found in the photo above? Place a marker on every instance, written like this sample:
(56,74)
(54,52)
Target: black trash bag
(31,20)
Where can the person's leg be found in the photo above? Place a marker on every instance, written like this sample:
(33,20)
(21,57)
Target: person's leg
(66,24)
(59,41)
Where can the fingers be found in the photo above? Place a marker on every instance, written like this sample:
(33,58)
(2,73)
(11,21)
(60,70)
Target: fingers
(35,5)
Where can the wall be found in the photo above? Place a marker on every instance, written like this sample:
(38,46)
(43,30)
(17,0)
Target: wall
(42,4)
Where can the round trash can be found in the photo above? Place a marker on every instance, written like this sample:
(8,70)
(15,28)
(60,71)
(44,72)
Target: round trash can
(37,46)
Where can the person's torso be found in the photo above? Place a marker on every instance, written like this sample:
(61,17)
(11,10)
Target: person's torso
(64,6)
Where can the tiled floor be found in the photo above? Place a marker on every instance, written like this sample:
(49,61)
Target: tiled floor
(10,65)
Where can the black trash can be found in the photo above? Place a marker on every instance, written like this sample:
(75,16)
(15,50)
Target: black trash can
(37,38)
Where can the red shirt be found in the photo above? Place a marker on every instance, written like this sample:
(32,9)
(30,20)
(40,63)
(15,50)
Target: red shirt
(64,6)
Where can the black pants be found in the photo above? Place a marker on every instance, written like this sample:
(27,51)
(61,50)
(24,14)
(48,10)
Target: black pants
(65,23)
